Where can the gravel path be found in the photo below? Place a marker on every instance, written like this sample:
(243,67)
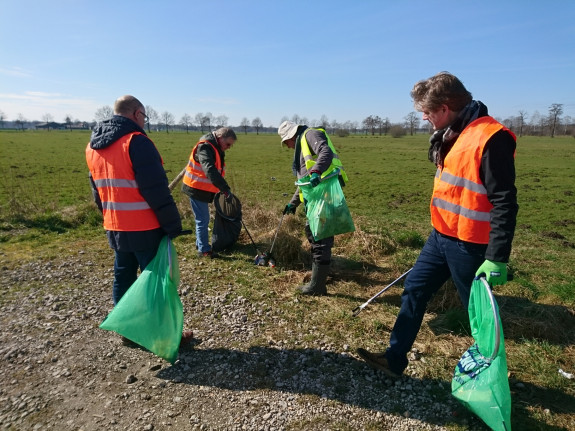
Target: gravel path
(61,372)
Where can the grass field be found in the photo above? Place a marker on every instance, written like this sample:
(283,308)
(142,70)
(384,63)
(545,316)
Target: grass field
(45,200)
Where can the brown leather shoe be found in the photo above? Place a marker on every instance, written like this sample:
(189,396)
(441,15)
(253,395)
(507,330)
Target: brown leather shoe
(377,361)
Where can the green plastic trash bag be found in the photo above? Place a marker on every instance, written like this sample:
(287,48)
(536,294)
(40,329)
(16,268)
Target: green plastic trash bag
(150,313)
(326,208)
(480,380)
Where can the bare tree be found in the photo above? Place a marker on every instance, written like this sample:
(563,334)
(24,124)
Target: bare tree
(522,119)
(412,122)
(104,113)
(386,125)
(257,124)
(153,116)
(555,111)
(295,118)
(379,124)
(68,121)
(47,118)
(353,126)
(245,124)
(221,121)
(370,123)
(20,121)
(167,120)
(324,122)
(2,117)
(208,120)
(567,120)
(199,120)
(186,121)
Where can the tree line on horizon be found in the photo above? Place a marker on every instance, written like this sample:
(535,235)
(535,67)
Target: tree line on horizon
(551,124)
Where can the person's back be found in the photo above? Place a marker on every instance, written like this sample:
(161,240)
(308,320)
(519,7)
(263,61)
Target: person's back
(130,187)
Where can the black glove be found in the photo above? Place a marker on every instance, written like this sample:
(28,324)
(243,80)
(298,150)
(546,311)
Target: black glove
(289,209)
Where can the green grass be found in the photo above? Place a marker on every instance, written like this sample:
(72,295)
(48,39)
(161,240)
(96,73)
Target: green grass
(45,208)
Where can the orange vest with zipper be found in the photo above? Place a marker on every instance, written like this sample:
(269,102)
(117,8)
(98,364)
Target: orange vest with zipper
(124,208)
(196,177)
(459,205)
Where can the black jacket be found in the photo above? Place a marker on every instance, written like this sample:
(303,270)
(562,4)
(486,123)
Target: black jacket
(152,183)
(497,173)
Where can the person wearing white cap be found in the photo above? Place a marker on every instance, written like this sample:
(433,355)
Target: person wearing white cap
(315,156)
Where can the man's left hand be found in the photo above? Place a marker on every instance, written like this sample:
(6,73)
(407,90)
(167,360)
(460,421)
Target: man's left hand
(315,179)
(495,272)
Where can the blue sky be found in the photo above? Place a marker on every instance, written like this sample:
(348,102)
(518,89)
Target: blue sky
(269,59)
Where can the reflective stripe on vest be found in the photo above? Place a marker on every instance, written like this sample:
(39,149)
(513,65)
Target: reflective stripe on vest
(123,206)
(195,176)
(459,205)
(310,158)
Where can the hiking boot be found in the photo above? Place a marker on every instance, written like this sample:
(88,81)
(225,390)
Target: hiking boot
(316,285)
(211,254)
(187,339)
(377,361)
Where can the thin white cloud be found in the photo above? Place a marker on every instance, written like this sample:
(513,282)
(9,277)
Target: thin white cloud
(16,71)
(34,104)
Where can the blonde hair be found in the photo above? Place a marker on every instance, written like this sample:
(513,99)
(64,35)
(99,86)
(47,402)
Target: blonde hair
(441,89)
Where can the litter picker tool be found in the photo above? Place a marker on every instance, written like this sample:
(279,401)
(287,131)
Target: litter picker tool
(267,259)
(176,180)
(259,253)
(358,309)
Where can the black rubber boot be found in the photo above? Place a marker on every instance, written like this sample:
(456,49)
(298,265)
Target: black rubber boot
(316,285)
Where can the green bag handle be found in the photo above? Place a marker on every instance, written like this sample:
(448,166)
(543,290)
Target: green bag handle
(306,183)
(495,318)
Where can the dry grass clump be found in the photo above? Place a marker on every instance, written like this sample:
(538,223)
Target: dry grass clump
(366,247)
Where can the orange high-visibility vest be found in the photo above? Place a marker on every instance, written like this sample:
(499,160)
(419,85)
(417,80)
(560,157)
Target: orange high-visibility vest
(124,208)
(459,204)
(196,177)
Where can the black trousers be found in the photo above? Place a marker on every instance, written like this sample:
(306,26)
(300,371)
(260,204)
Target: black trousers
(321,249)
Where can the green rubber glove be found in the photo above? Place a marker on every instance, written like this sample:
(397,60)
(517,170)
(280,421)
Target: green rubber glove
(495,272)
(315,179)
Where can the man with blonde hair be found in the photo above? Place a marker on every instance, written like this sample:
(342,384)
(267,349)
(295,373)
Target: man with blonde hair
(473,209)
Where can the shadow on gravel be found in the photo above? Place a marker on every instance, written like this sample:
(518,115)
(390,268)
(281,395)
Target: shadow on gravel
(342,378)
(314,372)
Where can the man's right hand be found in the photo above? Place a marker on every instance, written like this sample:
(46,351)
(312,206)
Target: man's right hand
(289,209)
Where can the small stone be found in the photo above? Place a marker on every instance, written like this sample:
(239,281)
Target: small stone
(131,379)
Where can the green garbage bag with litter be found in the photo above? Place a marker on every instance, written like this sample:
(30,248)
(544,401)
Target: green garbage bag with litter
(326,208)
(151,313)
(480,380)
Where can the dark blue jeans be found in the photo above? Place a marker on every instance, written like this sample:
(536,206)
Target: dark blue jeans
(441,257)
(126,266)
